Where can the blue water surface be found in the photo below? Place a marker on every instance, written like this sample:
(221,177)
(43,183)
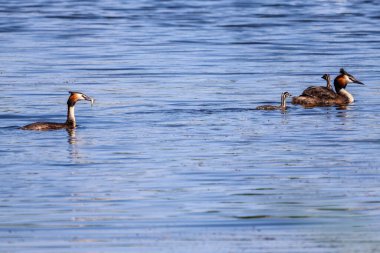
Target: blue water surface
(172,157)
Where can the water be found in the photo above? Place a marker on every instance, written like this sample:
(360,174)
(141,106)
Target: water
(172,158)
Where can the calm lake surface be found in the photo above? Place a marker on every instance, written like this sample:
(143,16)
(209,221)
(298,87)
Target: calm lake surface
(172,157)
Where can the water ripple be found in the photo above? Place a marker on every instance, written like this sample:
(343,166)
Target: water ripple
(172,154)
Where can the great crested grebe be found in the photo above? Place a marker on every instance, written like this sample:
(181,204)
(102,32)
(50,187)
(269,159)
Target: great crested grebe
(323,96)
(284,95)
(70,122)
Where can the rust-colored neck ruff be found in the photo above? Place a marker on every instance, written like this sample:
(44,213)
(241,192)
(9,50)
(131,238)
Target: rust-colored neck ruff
(340,82)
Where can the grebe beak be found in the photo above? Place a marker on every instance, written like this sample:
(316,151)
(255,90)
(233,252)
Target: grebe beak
(357,81)
(87,98)
(354,80)
(351,77)
(325,76)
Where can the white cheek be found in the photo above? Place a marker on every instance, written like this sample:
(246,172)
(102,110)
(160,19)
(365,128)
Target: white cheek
(348,79)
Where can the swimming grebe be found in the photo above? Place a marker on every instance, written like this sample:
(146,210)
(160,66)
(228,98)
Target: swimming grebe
(284,95)
(70,122)
(323,96)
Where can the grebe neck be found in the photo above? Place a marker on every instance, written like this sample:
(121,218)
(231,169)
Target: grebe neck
(70,117)
(283,101)
(346,94)
(340,82)
(328,83)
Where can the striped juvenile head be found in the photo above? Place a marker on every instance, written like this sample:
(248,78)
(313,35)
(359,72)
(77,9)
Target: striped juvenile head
(326,77)
(286,94)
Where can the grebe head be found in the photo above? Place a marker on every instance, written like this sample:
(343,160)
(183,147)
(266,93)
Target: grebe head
(326,77)
(328,80)
(76,96)
(286,94)
(350,78)
(343,79)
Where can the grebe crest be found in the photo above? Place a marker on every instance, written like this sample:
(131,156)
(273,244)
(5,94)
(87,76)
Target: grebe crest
(343,79)
(324,96)
(284,96)
(70,123)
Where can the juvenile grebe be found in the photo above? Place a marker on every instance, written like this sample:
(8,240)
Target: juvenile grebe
(284,95)
(323,96)
(319,91)
(70,122)
(328,81)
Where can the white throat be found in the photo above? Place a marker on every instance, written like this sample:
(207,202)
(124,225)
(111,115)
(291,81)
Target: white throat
(348,95)
(71,115)
(283,102)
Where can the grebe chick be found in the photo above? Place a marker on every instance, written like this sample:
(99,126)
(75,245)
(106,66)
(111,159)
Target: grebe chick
(70,122)
(319,91)
(328,81)
(323,96)
(284,95)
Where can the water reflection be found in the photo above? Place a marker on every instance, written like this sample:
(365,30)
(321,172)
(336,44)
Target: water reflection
(342,107)
(284,118)
(72,139)
(74,146)
(343,112)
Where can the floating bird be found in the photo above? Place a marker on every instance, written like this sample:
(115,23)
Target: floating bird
(284,95)
(324,96)
(70,122)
